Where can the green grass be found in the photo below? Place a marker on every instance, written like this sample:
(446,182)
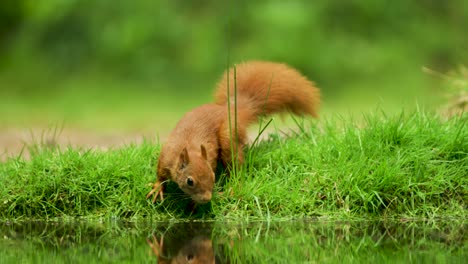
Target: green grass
(411,165)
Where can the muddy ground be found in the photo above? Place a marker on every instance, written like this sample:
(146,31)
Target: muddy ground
(14,142)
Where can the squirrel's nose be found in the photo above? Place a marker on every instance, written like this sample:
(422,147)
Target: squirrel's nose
(204,198)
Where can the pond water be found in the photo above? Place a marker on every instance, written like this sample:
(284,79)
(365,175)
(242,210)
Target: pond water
(304,241)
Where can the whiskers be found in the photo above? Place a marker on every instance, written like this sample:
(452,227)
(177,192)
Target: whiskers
(176,198)
(178,203)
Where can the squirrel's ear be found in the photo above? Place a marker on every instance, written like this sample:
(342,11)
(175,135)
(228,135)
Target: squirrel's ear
(164,173)
(184,159)
(203,152)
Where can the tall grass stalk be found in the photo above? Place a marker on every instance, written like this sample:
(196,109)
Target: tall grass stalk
(233,137)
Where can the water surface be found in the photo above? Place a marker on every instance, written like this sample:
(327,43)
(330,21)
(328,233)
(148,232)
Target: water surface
(221,242)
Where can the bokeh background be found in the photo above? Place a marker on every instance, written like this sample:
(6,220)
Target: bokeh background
(134,67)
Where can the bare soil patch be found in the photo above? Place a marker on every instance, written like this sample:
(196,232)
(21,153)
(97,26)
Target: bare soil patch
(15,141)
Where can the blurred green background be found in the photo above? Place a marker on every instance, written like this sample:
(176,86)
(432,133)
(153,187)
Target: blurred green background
(139,65)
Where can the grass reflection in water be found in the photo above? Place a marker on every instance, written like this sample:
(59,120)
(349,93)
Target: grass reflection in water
(220,242)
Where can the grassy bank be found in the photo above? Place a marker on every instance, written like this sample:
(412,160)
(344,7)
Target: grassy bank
(407,165)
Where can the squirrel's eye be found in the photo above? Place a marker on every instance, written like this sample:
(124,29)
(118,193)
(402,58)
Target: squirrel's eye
(190,181)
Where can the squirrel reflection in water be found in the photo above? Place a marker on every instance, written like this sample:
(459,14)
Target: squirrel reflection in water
(185,244)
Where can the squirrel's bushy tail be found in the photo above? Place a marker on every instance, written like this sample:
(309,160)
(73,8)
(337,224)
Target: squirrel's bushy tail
(265,88)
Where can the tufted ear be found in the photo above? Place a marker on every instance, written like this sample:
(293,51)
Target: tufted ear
(183,159)
(164,173)
(203,152)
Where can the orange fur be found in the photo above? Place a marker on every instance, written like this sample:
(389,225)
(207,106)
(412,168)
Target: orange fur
(268,87)
(202,136)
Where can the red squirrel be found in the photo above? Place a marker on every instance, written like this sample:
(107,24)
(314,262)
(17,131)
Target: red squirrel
(202,137)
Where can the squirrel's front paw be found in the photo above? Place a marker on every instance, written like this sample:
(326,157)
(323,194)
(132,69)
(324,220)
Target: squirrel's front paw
(156,191)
